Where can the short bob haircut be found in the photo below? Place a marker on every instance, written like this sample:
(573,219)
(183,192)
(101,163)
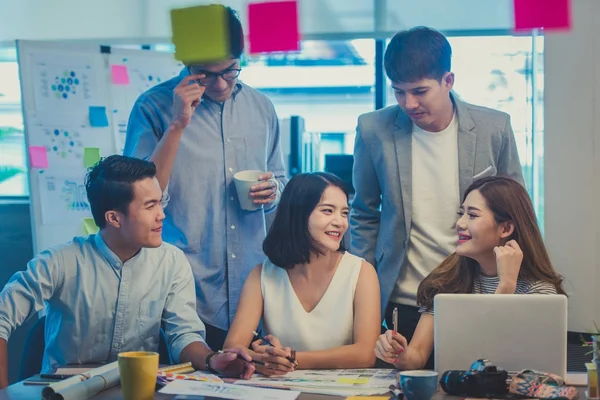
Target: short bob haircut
(288,242)
(417,53)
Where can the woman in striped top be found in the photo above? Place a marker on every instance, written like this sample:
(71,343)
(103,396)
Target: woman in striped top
(500,251)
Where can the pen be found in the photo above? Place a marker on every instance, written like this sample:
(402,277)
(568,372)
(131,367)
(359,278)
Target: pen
(37,383)
(395,319)
(242,358)
(265,341)
(56,376)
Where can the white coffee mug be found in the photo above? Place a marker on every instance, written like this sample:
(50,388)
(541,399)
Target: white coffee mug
(244,180)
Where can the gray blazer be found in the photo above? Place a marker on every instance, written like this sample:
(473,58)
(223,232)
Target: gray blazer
(380,219)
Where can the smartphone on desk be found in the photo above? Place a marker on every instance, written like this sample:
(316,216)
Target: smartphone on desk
(38,380)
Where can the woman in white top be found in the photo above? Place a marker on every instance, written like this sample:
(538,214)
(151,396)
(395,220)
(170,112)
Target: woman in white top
(500,251)
(319,301)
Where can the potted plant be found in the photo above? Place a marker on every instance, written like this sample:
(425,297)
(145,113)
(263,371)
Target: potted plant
(594,343)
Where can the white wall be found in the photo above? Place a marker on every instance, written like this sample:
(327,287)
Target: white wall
(450,15)
(572,147)
(70,19)
(147,21)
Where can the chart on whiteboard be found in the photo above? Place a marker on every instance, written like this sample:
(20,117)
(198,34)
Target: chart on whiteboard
(65,145)
(63,199)
(64,84)
(142,75)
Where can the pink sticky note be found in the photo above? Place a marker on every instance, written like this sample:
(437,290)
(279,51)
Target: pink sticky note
(273,26)
(38,157)
(119,73)
(546,14)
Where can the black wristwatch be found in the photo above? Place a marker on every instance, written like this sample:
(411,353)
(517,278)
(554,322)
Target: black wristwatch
(207,362)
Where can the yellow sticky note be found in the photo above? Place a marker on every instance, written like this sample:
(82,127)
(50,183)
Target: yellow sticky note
(353,381)
(89,226)
(368,397)
(200,34)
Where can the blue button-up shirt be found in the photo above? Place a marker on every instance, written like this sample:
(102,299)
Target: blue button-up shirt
(98,306)
(203,216)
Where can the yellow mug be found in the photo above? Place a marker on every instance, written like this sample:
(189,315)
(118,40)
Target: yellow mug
(138,370)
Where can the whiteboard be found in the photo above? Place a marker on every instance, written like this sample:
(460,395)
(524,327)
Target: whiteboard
(59,84)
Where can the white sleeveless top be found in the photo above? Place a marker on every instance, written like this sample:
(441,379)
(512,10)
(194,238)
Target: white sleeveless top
(330,324)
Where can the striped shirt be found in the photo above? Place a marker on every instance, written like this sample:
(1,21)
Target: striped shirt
(488,285)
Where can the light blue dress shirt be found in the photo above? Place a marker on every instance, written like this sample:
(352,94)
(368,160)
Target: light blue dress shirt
(203,216)
(98,306)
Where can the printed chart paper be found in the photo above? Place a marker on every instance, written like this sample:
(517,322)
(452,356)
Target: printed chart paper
(343,382)
(64,85)
(143,74)
(65,146)
(63,199)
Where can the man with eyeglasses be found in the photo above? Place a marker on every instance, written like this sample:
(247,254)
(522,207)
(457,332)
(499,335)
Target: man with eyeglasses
(200,128)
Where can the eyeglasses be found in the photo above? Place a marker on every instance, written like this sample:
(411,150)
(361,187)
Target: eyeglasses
(210,77)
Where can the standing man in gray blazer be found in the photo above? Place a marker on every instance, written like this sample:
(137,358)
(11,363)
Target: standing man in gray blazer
(412,162)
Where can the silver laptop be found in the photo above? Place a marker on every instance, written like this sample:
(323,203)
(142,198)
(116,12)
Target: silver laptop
(514,332)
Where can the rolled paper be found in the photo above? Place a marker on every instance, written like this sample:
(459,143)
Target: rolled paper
(85,385)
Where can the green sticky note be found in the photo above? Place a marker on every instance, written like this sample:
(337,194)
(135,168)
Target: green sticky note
(200,34)
(91,155)
(89,226)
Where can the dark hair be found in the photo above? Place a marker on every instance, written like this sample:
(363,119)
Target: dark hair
(288,242)
(235,33)
(509,201)
(109,184)
(417,53)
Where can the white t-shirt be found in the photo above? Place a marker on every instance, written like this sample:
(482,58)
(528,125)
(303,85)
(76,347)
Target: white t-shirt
(435,202)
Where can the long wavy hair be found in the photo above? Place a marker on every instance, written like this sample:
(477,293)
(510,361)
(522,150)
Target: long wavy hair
(509,201)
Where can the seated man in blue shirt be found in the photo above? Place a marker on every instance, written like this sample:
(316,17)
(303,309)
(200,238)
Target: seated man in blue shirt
(112,291)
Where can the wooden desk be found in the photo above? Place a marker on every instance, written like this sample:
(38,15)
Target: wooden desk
(18,391)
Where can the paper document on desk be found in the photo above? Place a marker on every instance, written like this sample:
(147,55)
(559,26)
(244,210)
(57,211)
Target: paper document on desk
(227,391)
(343,382)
